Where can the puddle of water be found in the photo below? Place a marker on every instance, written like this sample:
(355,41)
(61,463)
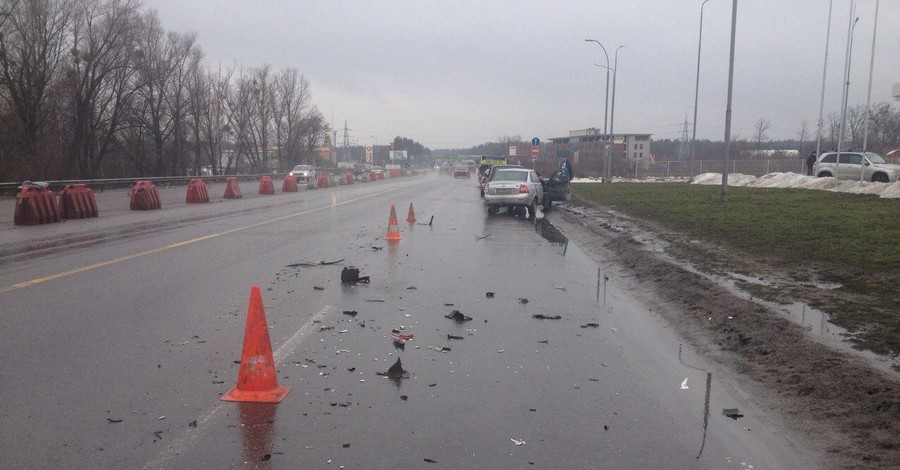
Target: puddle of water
(815,321)
(556,238)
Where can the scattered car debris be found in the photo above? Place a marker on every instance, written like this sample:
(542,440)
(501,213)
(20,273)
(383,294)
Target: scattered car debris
(431,460)
(449,305)
(523,300)
(400,345)
(404,397)
(684,385)
(396,371)
(318,288)
(305,264)
(544,341)
(345,446)
(158,435)
(377,248)
(374,300)
(591,325)
(193,424)
(398,336)
(411,288)
(351,369)
(560,288)
(454,337)
(517,442)
(325,328)
(350,275)
(351,313)
(458,317)
(732,413)
(429,221)
(489,295)
(541,316)
(480,237)
(114,421)
(442,349)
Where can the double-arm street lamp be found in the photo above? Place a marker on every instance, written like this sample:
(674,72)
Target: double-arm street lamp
(606,102)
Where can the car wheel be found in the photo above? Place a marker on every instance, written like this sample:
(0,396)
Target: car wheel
(880,178)
(824,175)
(491,210)
(546,203)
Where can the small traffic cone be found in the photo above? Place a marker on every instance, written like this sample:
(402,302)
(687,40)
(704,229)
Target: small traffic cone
(257,381)
(411,218)
(393,228)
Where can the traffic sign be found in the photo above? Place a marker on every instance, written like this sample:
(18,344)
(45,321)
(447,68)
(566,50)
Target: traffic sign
(535,141)
(535,150)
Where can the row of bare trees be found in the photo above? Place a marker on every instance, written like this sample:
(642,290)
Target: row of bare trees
(97,88)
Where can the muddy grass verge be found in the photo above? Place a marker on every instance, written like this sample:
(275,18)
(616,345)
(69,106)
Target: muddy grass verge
(838,402)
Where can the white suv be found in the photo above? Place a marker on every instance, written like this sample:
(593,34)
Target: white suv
(856,166)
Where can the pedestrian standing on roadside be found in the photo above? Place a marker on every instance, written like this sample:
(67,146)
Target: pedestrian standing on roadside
(810,161)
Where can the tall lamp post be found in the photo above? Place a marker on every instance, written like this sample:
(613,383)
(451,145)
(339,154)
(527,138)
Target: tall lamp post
(851,27)
(696,93)
(612,117)
(606,101)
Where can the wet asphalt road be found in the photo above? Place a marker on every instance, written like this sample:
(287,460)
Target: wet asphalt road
(119,334)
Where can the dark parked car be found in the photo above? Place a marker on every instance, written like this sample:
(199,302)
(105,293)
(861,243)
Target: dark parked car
(556,188)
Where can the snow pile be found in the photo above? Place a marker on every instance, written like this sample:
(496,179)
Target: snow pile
(778,180)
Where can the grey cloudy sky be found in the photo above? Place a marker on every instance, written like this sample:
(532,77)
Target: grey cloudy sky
(457,74)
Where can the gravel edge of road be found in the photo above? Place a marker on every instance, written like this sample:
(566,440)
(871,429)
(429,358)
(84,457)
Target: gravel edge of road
(837,402)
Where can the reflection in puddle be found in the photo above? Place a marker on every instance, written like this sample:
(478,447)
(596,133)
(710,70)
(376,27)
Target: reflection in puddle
(553,235)
(815,321)
(257,421)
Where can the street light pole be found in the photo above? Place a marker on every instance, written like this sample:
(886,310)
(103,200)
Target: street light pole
(606,101)
(851,26)
(824,74)
(723,195)
(696,93)
(612,116)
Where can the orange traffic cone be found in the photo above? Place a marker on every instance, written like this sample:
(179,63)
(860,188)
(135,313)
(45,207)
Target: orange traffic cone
(257,381)
(412,214)
(393,228)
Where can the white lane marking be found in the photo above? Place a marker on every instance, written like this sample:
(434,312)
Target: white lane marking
(191,436)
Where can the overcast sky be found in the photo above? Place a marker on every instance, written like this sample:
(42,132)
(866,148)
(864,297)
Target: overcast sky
(457,74)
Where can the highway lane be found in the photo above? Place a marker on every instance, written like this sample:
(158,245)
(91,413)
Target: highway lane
(149,334)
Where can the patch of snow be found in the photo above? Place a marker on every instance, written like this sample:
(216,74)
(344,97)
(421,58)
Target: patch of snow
(778,180)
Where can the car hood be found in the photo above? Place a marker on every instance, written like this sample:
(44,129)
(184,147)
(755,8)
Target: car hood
(887,166)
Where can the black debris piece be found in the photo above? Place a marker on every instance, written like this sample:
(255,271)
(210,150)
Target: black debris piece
(432,385)
(377,248)
(352,313)
(541,316)
(523,300)
(449,305)
(345,446)
(411,288)
(458,317)
(193,424)
(114,421)
(489,295)
(395,371)
(605,427)
(732,413)
(218,382)
(544,341)
(325,328)
(326,263)
(404,397)
(400,344)
(590,325)
(318,288)
(266,457)
(431,460)
(350,275)
(454,337)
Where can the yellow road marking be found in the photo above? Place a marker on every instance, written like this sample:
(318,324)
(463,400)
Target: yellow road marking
(39,280)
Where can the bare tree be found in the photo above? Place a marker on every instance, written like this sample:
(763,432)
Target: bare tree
(834,129)
(291,101)
(98,80)
(801,135)
(759,134)
(856,120)
(33,36)
(313,129)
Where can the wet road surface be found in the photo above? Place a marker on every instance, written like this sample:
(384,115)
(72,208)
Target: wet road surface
(117,347)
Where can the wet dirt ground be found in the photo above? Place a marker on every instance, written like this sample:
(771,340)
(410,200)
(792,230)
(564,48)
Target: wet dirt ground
(843,400)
